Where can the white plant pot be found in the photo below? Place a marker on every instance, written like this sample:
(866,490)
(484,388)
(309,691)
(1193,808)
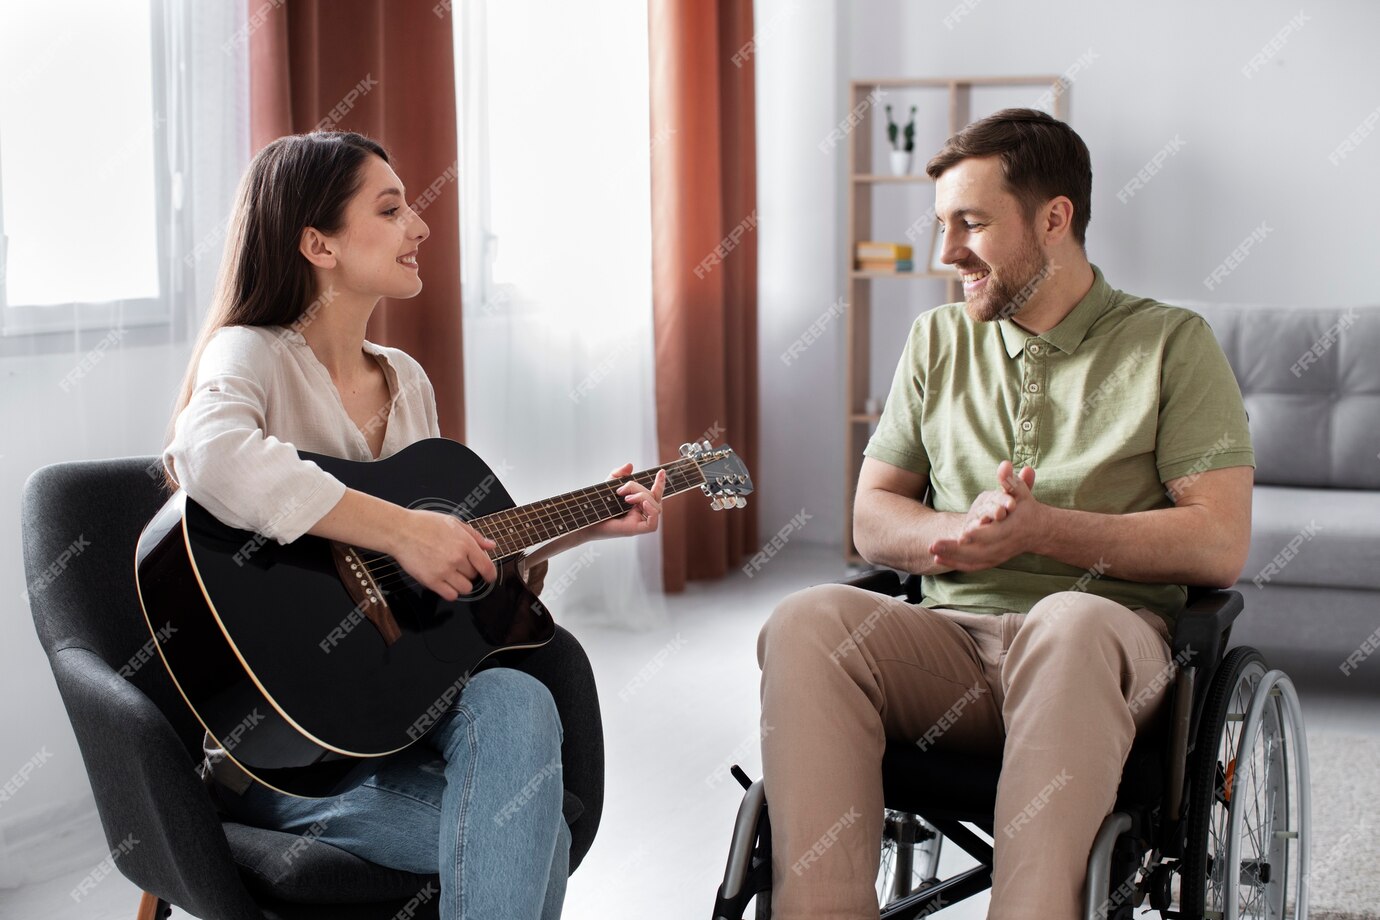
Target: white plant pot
(900,162)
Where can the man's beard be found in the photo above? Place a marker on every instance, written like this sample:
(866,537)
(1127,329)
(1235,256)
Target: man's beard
(1004,296)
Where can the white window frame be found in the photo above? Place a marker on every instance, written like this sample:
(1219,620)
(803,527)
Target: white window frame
(168,22)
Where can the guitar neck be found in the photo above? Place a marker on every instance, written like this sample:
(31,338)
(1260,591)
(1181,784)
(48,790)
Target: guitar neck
(518,529)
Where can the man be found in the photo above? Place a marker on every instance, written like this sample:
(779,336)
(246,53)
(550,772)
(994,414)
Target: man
(1048,598)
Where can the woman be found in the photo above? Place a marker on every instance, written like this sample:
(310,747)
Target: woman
(321,230)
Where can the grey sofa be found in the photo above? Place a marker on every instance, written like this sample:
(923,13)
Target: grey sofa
(1311,383)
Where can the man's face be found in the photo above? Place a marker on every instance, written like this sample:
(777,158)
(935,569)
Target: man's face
(988,239)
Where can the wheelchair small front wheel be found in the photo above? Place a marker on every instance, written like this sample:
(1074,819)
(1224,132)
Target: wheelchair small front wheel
(1248,813)
(909,858)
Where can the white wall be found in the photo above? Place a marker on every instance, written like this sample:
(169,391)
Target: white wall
(119,408)
(1254,149)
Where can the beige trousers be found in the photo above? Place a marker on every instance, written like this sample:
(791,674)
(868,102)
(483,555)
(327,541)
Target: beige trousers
(1061,690)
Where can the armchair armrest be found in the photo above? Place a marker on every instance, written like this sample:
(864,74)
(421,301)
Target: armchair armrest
(147,792)
(565,669)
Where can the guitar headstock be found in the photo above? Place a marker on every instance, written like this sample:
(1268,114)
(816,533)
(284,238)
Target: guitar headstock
(726,479)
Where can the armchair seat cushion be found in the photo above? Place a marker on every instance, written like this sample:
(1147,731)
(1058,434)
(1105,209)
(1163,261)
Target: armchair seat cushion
(1335,535)
(286,867)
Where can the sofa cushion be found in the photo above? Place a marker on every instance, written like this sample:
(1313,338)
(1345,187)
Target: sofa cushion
(1311,384)
(1323,537)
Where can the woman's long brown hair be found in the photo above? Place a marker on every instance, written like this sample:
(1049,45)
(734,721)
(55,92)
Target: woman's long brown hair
(296,182)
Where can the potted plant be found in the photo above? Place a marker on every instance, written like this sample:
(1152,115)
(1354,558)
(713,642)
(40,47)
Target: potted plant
(901,152)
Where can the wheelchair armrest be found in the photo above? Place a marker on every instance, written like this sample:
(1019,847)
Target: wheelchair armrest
(1200,634)
(1201,630)
(882,581)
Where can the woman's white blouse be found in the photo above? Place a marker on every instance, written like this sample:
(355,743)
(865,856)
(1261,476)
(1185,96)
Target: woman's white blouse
(260,396)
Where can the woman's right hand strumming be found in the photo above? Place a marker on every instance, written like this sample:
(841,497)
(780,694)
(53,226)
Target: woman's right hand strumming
(444,553)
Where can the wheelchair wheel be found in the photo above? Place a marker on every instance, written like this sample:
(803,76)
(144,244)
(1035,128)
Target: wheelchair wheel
(910,856)
(1247,847)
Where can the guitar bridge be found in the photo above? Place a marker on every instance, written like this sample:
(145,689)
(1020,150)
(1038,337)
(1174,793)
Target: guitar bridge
(365,591)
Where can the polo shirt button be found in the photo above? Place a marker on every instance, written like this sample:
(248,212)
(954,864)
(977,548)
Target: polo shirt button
(1034,388)
(1034,349)
(1026,426)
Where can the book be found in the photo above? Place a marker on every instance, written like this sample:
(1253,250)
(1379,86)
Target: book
(892,266)
(869,249)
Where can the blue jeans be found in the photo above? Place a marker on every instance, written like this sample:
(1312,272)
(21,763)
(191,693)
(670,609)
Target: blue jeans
(477,799)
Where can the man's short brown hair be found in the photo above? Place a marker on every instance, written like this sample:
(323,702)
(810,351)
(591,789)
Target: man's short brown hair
(1041,158)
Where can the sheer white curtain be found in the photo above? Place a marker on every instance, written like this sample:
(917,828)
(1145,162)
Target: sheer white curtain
(556,249)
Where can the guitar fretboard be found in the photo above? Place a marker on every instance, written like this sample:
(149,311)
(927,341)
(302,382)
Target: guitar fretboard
(525,526)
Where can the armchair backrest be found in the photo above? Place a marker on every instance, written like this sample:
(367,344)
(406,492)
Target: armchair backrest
(81,521)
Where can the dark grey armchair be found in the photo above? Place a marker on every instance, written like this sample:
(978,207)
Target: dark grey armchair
(141,743)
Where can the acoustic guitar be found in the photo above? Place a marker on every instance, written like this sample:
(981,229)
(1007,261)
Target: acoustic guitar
(307,660)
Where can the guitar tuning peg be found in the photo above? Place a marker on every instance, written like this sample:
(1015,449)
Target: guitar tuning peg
(706,445)
(716,503)
(740,501)
(687,449)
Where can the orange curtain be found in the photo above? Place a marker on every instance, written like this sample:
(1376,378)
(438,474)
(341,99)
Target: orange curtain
(704,261)
(386,70)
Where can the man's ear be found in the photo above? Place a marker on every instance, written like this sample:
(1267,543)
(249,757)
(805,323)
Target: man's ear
(1058,218)
(317,248)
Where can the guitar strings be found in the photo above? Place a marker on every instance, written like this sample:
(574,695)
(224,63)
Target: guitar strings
(563,510)
(562,513)
(558,513)
(386,570)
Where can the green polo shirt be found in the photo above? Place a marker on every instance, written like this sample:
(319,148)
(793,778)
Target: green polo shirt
(1122,396)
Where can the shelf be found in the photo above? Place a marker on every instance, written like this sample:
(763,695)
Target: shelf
(951,276)
(866,191)
(923,82)
(880,177)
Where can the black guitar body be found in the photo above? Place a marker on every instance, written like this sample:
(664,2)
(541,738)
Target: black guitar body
(281,664)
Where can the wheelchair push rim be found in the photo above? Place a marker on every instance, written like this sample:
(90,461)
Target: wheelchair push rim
(1276,833)
(1246,855)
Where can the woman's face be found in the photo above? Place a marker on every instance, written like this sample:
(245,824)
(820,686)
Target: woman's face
(376,248)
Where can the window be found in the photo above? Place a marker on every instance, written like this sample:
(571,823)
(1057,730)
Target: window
(89,192)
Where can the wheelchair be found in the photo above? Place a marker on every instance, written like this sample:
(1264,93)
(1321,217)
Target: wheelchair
(1211,820)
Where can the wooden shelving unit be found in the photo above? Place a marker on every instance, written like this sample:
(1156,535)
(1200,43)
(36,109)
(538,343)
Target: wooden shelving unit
(862,186)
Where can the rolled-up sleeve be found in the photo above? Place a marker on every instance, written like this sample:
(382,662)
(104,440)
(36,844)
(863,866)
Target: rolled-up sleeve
(222,458)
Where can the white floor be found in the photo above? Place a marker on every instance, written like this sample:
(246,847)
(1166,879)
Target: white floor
(670,735)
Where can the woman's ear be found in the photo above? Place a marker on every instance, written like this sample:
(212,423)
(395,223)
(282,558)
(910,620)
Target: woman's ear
(316,248)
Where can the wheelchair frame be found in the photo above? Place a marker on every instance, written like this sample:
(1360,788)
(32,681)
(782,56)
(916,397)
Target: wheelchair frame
(1119,878)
